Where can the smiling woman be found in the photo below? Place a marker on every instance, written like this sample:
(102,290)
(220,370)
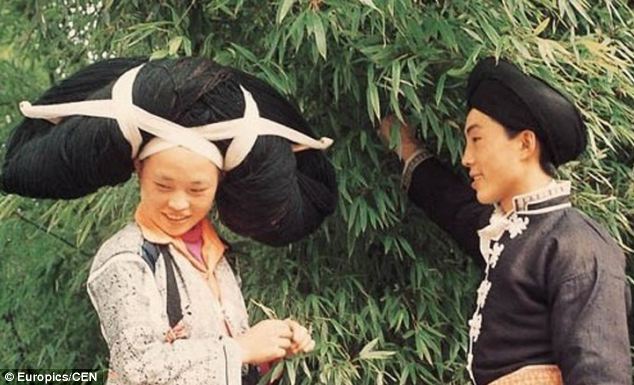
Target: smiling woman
(497,161)
(177,189)
(552,279)
(170,306)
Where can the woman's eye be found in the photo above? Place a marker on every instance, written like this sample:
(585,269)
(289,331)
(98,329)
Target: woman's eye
(198,190)
(475,139)
(162,186)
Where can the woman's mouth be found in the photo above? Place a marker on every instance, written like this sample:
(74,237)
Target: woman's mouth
(476,178)
(176,218)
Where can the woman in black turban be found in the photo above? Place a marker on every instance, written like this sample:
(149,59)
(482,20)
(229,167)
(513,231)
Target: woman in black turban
(197,133)
(553,304)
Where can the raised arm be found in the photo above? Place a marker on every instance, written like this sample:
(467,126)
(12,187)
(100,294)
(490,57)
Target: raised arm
(447,200)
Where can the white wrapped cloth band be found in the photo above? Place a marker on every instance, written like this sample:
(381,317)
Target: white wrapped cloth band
(131,118)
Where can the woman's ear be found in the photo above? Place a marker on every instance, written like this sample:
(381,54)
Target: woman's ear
(529,144)
(138,166)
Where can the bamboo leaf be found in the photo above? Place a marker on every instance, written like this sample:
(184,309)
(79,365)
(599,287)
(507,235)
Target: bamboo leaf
(320,34)
(440,88)
(283,9)
(370,4)
(174,45)
(372,96)
(541,27)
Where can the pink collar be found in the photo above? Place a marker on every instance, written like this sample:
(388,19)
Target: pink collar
(194,234)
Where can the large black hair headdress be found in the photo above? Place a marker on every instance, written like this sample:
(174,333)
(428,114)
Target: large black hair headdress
(85,132)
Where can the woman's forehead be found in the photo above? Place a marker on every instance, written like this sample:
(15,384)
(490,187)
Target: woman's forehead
(195,178)
(477,121)
(178,164)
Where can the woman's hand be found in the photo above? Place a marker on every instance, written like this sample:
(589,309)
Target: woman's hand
(301,342)
(409,144)
(180,330)
(266,341)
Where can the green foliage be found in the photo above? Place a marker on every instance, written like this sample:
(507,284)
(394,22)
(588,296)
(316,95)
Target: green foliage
(45,315)
(384,292)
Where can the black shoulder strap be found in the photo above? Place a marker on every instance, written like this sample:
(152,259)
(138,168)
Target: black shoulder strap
(174,310)
(150,253)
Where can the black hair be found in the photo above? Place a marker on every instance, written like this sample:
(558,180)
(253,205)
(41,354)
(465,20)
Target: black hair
(545,159)
(274,196)
(518,101)
(77,156)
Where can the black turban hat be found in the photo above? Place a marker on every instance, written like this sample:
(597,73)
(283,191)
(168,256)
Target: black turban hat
(274,196)
(519,101)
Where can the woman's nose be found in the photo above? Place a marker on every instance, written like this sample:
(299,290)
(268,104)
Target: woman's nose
(178,202)
(467,158)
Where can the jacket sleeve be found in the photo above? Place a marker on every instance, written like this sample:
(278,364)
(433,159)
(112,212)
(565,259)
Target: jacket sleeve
(448,201)
(590,334)
(130,308)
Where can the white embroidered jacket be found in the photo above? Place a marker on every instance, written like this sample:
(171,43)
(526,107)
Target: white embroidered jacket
(131,303)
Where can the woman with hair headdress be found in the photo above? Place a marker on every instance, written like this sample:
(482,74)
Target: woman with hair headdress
(199,135)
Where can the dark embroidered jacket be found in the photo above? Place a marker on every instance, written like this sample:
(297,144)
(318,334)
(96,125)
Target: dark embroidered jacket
(554,288)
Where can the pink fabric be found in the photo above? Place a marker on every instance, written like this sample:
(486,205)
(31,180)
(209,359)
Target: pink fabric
(194,241)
